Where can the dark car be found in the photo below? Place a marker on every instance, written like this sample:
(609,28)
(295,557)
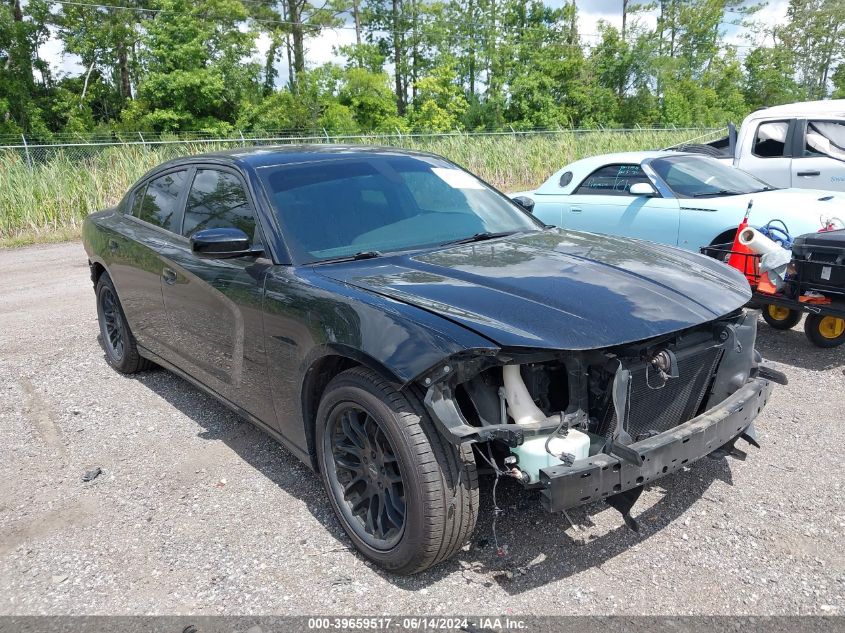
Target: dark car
(401,326)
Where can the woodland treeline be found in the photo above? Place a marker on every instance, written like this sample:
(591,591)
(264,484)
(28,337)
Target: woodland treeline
(413,65)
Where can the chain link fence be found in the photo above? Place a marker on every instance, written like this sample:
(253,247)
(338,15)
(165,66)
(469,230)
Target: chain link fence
(35,152)
(48,187)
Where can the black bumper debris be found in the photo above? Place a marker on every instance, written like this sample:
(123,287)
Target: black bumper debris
(601,476)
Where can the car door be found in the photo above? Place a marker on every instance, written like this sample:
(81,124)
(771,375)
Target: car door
(603,203)
(819,158)
(769,156)
(214,305)
(153,213)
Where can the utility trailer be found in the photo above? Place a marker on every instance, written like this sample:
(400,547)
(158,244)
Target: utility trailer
(825,322)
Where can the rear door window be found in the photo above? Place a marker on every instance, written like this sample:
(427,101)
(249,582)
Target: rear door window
(161,201)
(612,180)
(770,139)
(218,199)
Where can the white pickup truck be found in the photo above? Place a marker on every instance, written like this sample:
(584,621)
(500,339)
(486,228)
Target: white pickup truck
(794,145)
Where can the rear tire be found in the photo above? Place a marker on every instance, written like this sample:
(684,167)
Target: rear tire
(118,341)
(825,331)
(406,497)
(780,318)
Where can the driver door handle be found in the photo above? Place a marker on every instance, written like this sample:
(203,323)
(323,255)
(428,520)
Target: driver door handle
(809,173)
(575,209)
(168,276)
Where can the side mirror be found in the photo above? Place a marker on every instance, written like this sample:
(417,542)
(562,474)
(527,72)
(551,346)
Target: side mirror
(525,202)
(221,243)
(641,189)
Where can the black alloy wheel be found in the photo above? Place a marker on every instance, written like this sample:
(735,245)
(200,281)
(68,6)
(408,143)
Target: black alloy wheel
(406,497)
(118,341)
(367,476)
(111,325)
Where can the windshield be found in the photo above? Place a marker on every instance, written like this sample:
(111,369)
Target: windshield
(352,204)
(698,176)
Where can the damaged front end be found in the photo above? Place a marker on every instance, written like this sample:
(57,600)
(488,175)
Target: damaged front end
(599,424)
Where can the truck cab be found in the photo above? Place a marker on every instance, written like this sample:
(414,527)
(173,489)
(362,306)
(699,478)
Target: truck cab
(795,145)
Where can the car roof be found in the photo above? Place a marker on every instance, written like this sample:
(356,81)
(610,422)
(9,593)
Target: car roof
(582,168)
(619,157)
(801,109)
(269,155)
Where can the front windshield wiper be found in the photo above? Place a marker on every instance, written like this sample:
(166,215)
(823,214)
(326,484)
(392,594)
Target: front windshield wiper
(350,258)
(721,192)
(480,237)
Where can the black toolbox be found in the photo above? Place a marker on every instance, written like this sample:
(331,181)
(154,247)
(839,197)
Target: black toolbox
(819,260)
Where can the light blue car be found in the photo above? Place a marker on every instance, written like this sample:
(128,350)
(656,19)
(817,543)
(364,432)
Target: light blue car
(684,200)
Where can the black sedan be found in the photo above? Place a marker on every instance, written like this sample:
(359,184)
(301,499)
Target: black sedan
(401,326)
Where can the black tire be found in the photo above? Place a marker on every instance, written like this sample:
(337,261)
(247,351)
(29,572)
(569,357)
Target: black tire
(438,486)
(118,342)
(824,331)
(780,320)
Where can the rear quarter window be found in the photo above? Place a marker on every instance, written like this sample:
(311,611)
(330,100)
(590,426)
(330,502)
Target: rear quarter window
(137,199)
(160,205)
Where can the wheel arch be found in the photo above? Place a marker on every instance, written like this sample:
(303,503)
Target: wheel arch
(97,270)
(725,236)
(321,370)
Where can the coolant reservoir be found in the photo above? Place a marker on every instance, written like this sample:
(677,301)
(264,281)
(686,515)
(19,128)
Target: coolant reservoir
(533,455)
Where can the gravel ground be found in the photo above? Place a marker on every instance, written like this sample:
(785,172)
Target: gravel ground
(198,512)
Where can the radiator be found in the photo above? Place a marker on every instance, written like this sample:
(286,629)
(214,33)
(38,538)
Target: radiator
(654,409)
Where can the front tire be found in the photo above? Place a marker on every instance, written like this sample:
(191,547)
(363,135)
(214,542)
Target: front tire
(825,331)
(118,341)
(781,318)
(406,497)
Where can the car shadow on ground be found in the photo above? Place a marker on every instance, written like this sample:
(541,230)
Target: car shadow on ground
(791,347)
(542,547)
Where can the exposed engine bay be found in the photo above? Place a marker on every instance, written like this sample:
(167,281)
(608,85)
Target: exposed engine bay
(546,415)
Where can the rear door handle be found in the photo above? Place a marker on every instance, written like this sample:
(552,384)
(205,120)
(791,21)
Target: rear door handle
(168,276)
(809,173)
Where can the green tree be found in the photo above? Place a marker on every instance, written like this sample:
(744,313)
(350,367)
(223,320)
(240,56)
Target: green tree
(193,70)
(440,102)
(815,35)
(24,77)
(770,78)
(369,97)
(838,78)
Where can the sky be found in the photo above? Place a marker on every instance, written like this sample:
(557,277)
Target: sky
(321,49)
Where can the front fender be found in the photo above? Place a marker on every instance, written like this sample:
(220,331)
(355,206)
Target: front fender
(308,317)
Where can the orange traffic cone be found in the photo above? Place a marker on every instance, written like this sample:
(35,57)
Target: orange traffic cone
(743,258)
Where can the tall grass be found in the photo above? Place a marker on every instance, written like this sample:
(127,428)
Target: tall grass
(49,200)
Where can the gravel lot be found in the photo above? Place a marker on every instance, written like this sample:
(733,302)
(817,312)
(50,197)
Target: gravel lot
(197,512)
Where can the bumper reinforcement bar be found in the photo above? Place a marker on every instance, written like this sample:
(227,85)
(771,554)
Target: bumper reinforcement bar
(601,476)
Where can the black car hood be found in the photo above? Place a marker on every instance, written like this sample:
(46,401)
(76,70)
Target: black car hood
(557,289)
